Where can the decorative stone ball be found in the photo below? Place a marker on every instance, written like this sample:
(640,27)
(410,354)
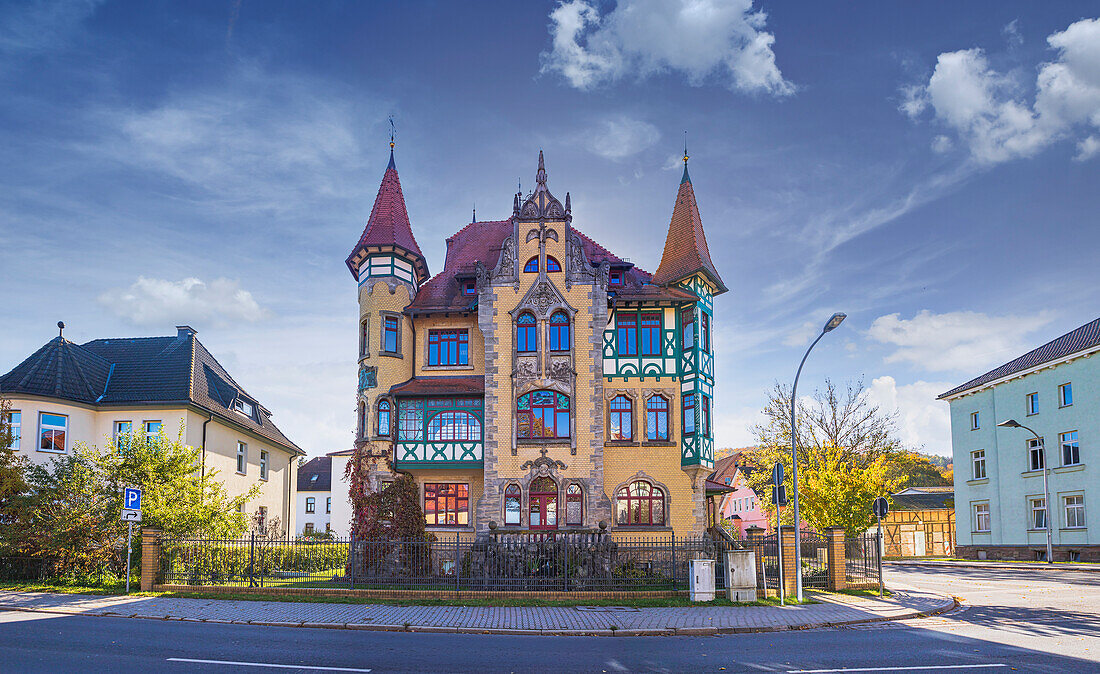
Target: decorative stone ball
(603,524)
(492,525)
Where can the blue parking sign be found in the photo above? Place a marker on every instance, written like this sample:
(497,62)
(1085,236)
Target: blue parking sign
(132,498)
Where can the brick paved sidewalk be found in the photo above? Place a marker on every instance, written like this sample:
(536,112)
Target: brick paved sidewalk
(602,620)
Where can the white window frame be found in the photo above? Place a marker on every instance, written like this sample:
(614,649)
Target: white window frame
(43,426)
(1062,389)
(16,427)
(1031,454)
(328,505)
(1063,442)
(975,421)
(1036,505)
(116,433)
(1031,403)
(975,462)
(242,458)
(311,505)
(145,428)
(974,509)
(263,464)
(242,406)
(1079,507)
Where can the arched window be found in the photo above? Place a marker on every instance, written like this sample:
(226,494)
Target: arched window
(362,423)
(639,503)
(543,503)
(656,418)
(532,266)
(574,505)
(454,426)
(552,264)
(512,505)
(621,428)
(559,331)
(526,333)
(383,417)
(542,414)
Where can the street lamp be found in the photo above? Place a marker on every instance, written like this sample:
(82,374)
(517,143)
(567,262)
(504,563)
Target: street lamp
(830,325)
(1012,423)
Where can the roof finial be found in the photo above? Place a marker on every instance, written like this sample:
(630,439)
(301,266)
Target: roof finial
(686,178)
(475,212)
(393,132)
(60,328)
(540,177)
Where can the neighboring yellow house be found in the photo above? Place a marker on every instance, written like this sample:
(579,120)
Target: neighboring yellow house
(67,393)
(539,381)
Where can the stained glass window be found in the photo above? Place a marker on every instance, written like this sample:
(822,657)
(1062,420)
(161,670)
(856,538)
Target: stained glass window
(559,331)
(526,333)
(574,505)
(383,417)
(454,426)
(656,418)
(640,503)
(620,413)
(410,420)
(542,414)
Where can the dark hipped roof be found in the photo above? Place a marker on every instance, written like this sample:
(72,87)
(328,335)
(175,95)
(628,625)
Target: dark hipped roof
(139,371)
(431,386)
(1084,337)
(686,250)
(933,501)
(316,474)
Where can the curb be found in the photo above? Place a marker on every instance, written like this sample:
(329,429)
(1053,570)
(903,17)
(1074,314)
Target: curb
(995,565)
(443,629)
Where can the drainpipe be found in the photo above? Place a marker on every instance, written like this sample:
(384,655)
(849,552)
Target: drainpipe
(202,472)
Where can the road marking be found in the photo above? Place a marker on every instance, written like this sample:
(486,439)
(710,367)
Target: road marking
(894,669)
(267,664)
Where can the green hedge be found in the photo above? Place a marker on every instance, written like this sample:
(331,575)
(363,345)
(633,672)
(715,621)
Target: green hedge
(197,563)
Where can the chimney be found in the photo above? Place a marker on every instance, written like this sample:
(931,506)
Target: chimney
(185,331)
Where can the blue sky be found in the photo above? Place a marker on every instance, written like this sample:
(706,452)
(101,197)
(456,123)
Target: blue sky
(931,170)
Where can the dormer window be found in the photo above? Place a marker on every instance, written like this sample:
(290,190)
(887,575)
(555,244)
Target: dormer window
(615,278)
(244,407)
(469,287)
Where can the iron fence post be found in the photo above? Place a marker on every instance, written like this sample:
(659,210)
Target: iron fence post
(252,561)
(458,567)
(351,562)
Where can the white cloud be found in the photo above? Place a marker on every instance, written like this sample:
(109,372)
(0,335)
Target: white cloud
(699,39)
(924,423)
(959,340)
(620,137)
(1011,33)
(802,335)
(1088,148)
(161,302)
(942,144)
(42,24)
(986,112)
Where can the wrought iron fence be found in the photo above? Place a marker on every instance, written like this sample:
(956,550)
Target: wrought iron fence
(551,561)
(815,561)
(861,557)
(767,560)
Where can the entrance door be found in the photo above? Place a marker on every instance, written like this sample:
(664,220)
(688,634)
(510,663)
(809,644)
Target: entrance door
(919,542)
(543,500)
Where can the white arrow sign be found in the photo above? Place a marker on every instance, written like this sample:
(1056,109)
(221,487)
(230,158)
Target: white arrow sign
(131,515)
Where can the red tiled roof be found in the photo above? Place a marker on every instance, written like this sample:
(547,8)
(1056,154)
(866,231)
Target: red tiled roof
(686,250)
(1084,337)
(476,242)
(388,224)
(431,386)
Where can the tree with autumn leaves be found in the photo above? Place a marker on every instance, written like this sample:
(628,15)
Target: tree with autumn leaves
(848,455)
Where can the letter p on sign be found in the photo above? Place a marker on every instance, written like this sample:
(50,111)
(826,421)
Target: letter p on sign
(132,498)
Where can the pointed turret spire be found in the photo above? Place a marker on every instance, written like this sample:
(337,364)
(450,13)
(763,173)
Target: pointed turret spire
(388,225)
(686,178)
(686,250)
(541,204)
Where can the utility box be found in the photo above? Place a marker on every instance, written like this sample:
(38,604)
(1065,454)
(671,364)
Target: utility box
(701,580)
(741,575)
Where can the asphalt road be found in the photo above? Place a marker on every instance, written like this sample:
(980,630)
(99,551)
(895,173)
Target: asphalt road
(1027,620)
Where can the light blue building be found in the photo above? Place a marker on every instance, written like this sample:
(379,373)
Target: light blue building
(1000,506)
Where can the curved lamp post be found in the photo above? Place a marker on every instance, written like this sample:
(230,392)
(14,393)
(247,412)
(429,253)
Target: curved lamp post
(830,325)
(1012,423)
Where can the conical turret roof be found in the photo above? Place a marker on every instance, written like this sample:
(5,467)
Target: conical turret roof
(389,225)
(686,250)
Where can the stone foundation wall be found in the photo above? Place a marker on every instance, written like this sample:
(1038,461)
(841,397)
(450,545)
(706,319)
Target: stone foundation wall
(1028,553)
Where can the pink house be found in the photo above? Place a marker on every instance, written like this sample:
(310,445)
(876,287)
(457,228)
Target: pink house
(741,506)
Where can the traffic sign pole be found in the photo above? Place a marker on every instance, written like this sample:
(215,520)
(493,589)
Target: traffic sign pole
(129,535)
(878,553)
